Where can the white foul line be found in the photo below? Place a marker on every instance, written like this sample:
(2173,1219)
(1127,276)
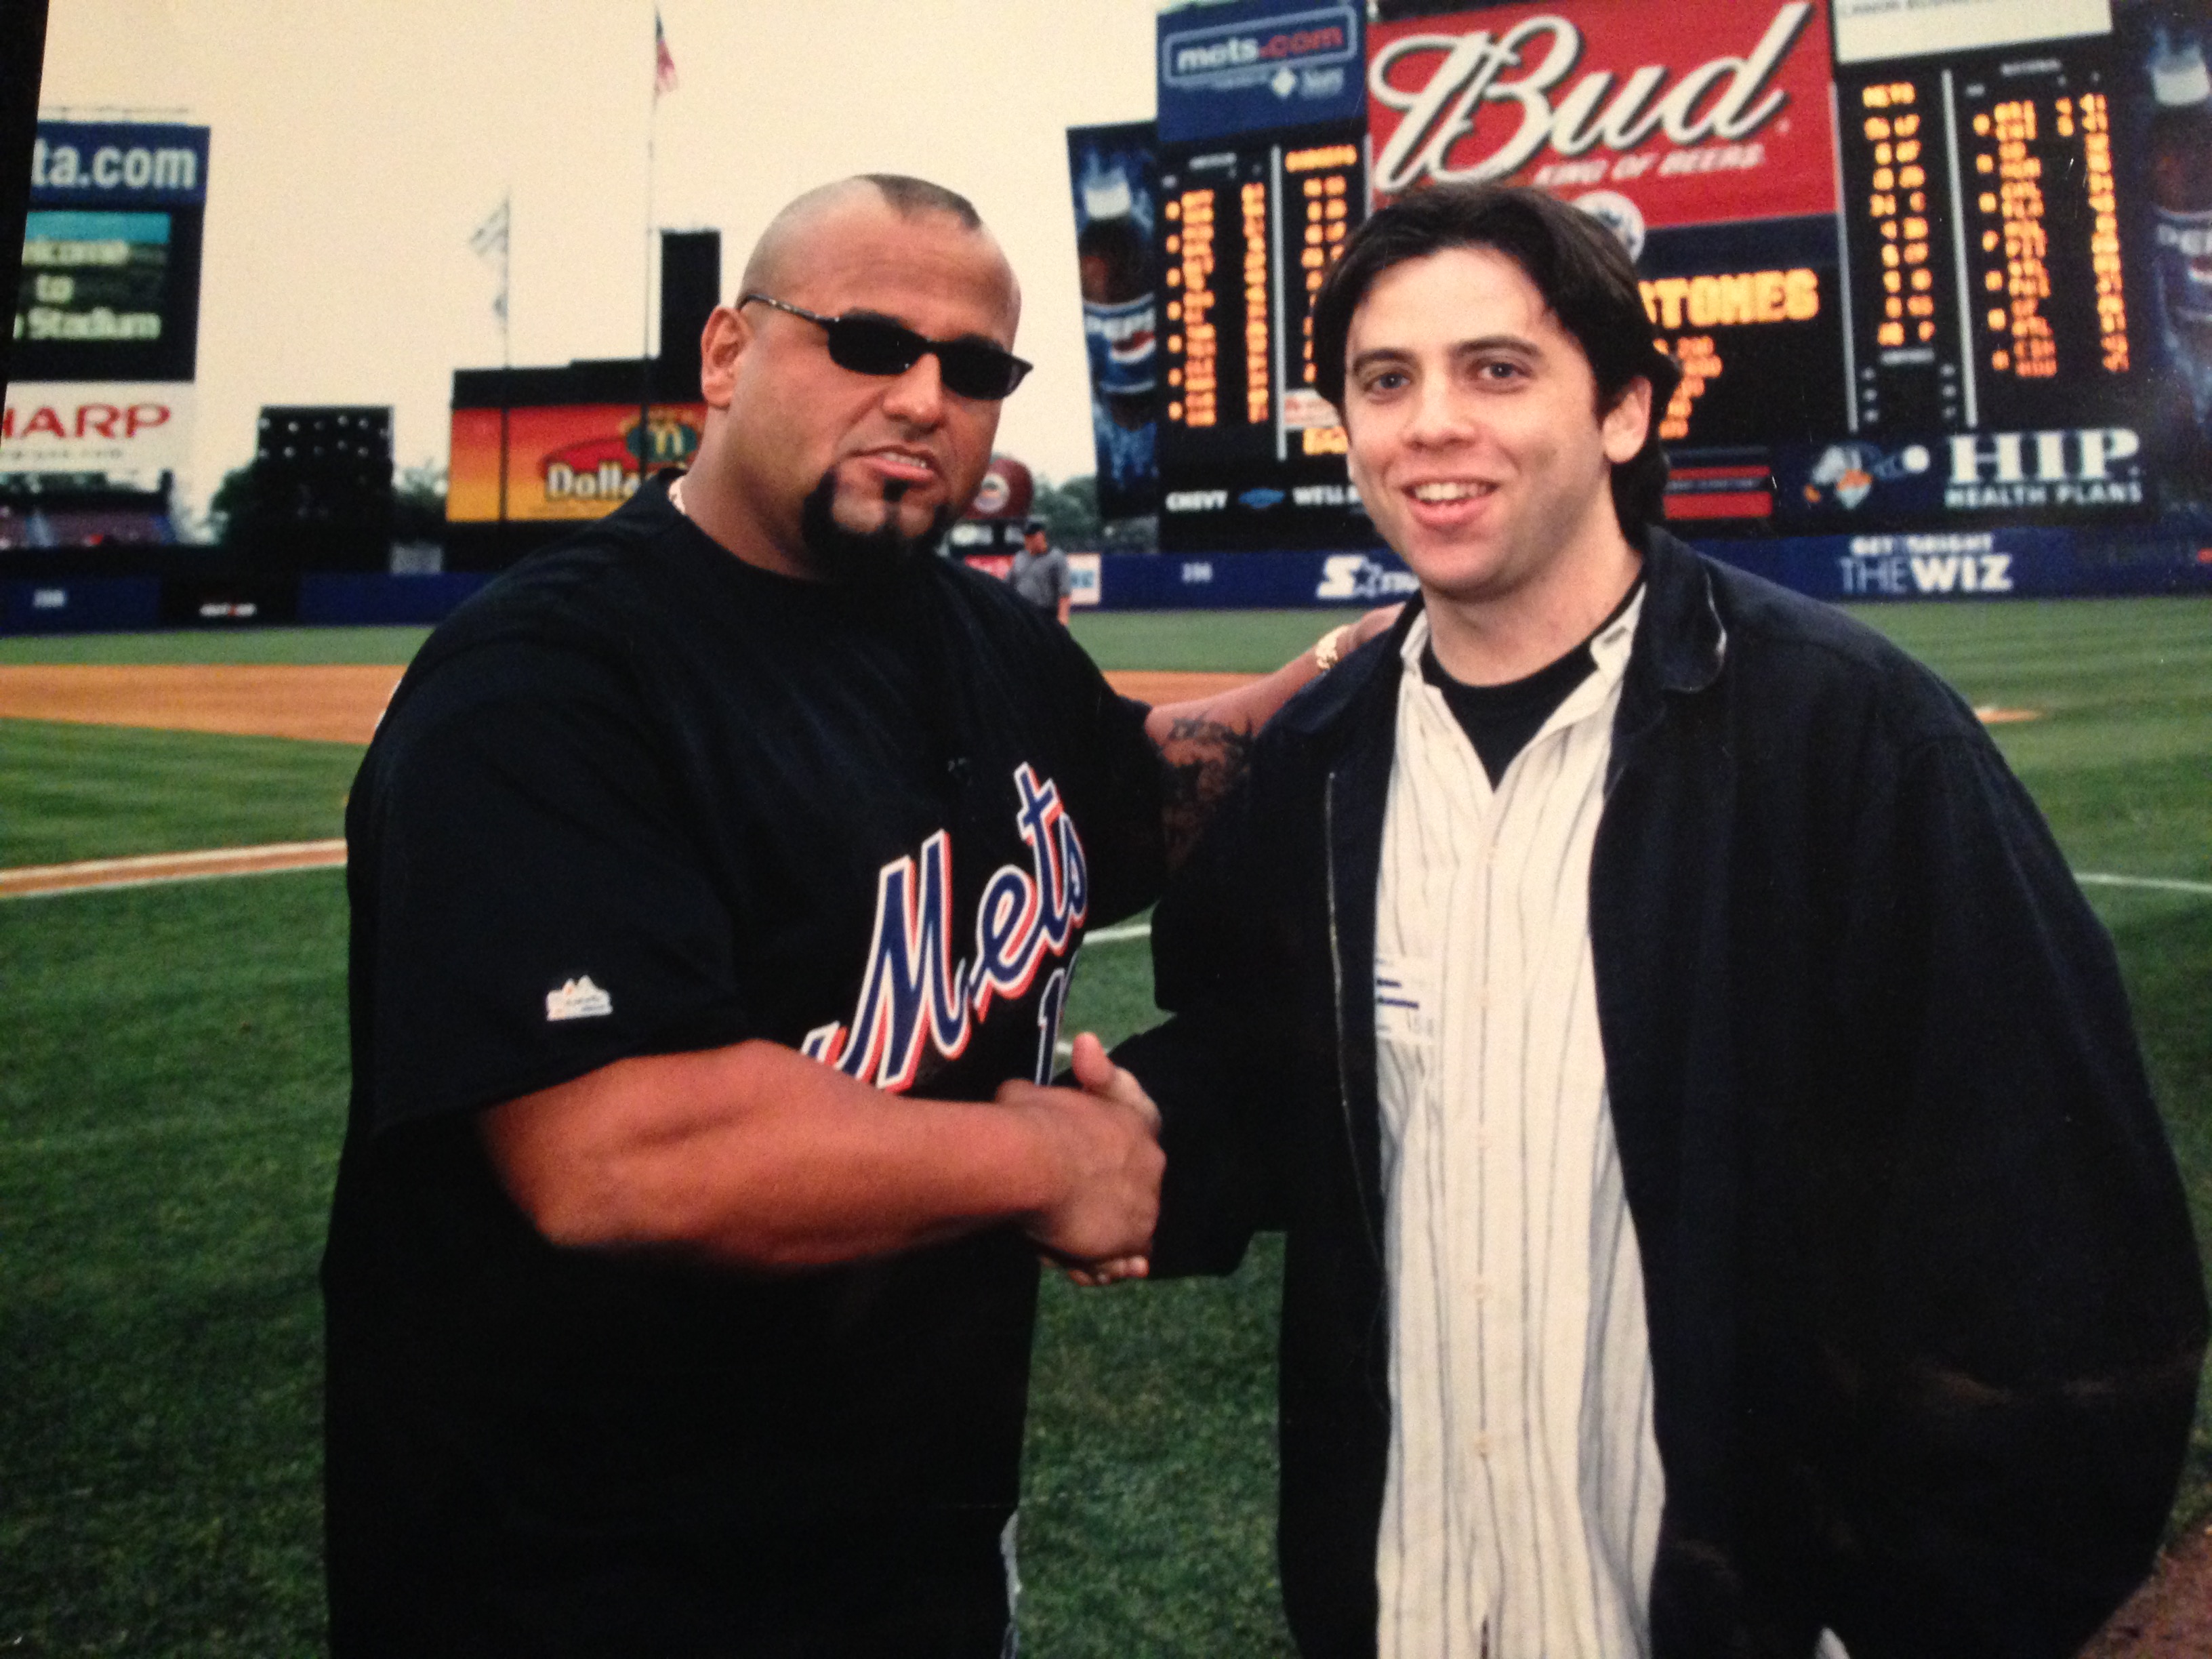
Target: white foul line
(212,855)
(2163,883)
(135,873)
(148,869)
(8,895)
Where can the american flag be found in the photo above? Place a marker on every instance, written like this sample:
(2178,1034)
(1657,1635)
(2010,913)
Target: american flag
(664,61)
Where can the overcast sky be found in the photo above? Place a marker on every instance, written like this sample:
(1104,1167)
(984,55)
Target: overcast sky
(356,143)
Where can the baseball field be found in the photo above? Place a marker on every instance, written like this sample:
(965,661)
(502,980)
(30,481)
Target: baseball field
(172,1073)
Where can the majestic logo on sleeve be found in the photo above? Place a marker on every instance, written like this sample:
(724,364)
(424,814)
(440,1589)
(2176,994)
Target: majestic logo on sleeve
(578,998)
(915,993)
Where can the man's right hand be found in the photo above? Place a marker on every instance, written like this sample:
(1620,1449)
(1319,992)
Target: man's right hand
(761,1159)
(1106,1136)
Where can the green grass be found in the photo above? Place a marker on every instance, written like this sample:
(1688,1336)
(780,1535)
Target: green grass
(1240,642)
(86,792)
(1225,639)
(2121,759)
(317,645)
(1148,1489)
(172,1089)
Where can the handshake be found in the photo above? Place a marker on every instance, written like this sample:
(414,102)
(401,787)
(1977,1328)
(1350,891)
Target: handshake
(1103,1143)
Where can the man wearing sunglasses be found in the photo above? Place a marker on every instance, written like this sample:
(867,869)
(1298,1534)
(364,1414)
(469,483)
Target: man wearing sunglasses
(716,879)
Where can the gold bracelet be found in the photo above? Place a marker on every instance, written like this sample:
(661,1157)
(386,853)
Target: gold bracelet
(1328,650)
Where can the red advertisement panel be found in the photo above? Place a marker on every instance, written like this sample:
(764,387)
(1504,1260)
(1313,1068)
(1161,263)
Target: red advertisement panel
(575,461)
(1699,112)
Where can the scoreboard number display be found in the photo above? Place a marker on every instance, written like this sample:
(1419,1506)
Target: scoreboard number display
(1990,283)
(1901,224)
(1323,196)
(1251,454)
(1995,342)
(2043,265)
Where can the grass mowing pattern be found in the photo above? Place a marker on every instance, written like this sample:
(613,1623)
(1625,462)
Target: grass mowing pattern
(171,1099)
(370,645)
(172,1083)
(90,791)
(1238,641)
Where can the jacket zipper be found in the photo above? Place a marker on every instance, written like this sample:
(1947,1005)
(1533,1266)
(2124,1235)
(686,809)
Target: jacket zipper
(1336,978)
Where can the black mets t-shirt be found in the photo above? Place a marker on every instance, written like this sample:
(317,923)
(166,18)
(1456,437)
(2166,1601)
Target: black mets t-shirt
(638,796)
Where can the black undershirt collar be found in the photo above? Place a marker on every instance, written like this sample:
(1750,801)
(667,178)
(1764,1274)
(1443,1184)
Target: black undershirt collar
(1500,719)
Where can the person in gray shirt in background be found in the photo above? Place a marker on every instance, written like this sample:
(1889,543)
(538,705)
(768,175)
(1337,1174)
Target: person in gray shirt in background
(1040,572)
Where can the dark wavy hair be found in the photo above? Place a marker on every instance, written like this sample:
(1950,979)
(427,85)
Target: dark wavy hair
(1576,264)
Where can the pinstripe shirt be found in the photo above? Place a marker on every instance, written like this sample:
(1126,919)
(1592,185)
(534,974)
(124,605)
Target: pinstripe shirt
(1522,1491)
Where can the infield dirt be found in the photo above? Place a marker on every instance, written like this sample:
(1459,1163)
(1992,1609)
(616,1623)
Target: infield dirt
(332,704)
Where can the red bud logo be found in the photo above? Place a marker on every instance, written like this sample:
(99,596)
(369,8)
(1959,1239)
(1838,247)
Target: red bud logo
(1429,93)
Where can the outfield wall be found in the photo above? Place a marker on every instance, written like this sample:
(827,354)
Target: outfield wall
(113,604)
(2021,563)
(1989,564)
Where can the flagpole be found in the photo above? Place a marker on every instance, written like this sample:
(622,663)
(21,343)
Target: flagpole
(645,308)
(506,342)
(494,236)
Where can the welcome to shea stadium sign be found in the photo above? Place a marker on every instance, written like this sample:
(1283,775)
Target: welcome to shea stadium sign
(106,327)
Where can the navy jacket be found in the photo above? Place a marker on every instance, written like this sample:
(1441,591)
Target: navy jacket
(1926,1313)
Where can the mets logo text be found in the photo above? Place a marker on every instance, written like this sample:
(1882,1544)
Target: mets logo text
(915,993)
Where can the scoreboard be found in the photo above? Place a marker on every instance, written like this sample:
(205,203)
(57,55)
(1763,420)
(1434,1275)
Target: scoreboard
(1997,342)
(1215,216)
(1324,204)
(1924,268)
(1986,249)
(1250,455)
(1905,328)
(2047,302)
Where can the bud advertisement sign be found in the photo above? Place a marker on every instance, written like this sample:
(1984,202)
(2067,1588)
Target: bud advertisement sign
(1114,178)
(572,461)
(1257,64)
(1700,111)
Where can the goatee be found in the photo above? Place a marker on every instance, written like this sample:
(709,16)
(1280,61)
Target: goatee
(865,558)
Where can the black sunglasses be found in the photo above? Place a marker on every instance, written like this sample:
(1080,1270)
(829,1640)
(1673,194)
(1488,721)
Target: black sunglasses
(876,345)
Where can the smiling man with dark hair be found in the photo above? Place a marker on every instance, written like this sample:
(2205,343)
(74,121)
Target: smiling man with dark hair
(1725,1211)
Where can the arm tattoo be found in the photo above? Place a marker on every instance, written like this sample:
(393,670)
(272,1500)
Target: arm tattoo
(1201,762)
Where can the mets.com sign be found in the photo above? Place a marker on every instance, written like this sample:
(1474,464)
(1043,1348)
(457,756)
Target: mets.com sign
(118,163)
(1253,67)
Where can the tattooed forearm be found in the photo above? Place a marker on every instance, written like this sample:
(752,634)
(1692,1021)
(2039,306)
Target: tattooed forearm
(1201,759)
